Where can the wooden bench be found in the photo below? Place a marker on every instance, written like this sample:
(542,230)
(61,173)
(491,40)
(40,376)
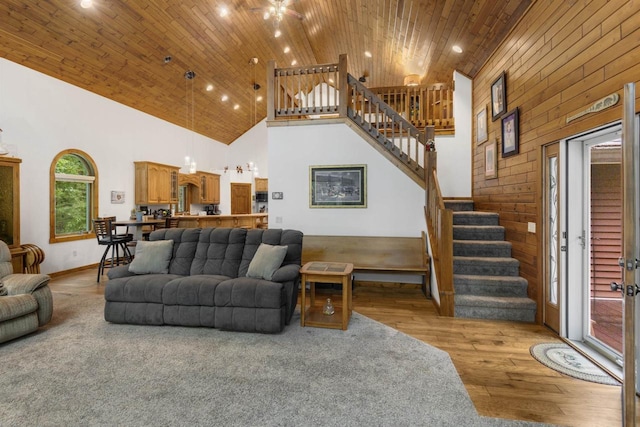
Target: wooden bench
(372,254)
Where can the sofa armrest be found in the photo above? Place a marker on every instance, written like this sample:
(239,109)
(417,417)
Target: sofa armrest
(119,271)
(18,284)
(289,272)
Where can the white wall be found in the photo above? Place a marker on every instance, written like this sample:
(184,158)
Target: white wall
(395,203)
(42,116)
(454,152)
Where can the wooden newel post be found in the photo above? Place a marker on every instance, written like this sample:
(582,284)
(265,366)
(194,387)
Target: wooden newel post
(343,86)
(271,97)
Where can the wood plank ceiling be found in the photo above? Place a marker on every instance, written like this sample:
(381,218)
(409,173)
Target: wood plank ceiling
(117,48)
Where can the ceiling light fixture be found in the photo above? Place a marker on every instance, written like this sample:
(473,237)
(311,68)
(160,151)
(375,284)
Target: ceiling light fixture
(287,49)
(209,87)
(224,98)
(190,76)
(367,54)
(236,107)
(412,80)
(276,11)
(224,11)
(456,48)
(86,4)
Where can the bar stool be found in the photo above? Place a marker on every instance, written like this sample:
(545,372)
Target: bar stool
(107,236)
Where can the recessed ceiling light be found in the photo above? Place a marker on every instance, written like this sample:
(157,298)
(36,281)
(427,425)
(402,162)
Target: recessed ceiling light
(287,49)
(456,48)
(294,62)
(209,88)
(277,34)
(236,107)
(259,98)
(367,54)
(224,11)
(86,4)
(224,98)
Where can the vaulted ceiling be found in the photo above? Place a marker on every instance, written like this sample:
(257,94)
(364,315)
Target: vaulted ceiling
(117,48)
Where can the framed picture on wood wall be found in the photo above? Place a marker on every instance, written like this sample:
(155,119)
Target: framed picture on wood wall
(510,137)
(481,126)
(498,97)
(338,186)
(491,160)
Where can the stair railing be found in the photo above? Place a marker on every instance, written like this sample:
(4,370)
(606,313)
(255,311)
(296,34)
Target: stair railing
(386,126)
(440,229)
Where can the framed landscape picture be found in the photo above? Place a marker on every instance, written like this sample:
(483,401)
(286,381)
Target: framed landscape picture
(498,97)
(491,160)
(338,186)
(510,137)
(481,126)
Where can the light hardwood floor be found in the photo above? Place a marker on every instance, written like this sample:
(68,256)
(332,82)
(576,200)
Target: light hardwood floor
(492,357)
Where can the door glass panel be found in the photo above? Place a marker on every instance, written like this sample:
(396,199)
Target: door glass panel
(552,238)
(605,244)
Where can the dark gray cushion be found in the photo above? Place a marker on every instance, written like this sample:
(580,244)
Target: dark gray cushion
(267,259)
(152,257)
(219,252)
(192,290)
(185,241)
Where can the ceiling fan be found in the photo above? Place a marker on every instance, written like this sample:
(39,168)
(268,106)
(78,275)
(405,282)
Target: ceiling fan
(276,11)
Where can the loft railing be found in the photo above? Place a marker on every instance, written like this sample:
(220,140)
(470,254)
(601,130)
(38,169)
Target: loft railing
(422,105)
(440,229)
(316,90)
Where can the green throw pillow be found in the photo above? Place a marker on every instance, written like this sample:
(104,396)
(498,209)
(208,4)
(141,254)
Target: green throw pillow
(266,261)
(152,257)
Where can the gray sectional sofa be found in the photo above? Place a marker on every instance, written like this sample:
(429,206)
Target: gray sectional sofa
(202,280)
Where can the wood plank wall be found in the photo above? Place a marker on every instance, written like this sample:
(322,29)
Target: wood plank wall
(559,59)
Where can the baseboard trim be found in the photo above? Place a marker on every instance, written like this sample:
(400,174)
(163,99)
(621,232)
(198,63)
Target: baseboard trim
(73,270)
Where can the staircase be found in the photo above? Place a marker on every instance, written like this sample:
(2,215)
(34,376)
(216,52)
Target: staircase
(485,276)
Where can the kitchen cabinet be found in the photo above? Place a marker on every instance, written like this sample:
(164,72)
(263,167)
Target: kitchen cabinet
(10,201)
(156,183)
(208,191)
(262,184)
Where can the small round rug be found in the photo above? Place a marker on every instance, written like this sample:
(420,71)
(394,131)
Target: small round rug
(563,358)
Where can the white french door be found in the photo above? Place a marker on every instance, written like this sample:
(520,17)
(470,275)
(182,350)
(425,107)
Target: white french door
(593,240)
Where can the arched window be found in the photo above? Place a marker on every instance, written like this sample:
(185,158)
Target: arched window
(73,196)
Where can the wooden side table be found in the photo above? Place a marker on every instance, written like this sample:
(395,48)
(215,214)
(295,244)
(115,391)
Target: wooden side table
(326,272)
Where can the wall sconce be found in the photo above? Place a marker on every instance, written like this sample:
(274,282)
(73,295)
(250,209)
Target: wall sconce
(226,168)
(412,80)
(239,169)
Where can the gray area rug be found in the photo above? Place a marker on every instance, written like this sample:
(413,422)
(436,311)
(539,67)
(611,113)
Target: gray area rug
(81,370)
(565,359)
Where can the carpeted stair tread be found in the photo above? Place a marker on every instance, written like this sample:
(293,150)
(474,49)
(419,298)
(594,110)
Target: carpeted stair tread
(459,205)
(492,301)
(486,266)
(478,232)
(475,218)
(469,284)
(487,248)
(496,308)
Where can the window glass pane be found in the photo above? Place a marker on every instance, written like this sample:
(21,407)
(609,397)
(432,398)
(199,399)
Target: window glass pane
(72,208)
(72,164)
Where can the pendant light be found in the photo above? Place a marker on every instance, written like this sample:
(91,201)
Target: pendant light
(190,76)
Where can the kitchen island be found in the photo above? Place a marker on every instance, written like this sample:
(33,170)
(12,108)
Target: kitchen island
(256,220)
